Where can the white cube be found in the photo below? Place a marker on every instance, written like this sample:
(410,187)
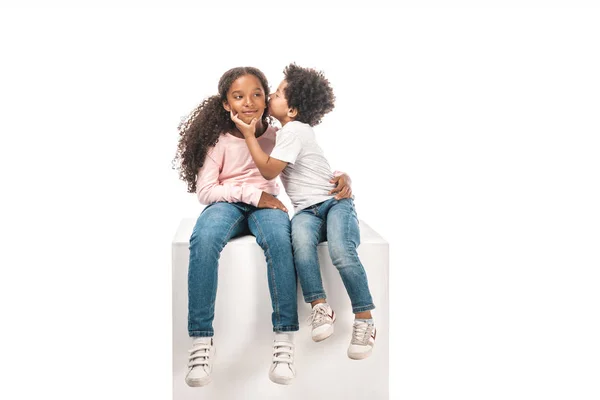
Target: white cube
(244,333)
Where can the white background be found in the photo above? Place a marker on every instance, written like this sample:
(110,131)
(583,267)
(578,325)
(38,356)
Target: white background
(471,135)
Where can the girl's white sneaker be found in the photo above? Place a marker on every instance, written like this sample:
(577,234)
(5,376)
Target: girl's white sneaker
(282,369)
(200,362)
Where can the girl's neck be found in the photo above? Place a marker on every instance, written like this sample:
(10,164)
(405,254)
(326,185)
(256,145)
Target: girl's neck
(260,129)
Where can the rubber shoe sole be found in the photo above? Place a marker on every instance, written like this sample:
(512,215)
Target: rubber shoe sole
(280,379)
(323,335)
(360,356)
(199,382)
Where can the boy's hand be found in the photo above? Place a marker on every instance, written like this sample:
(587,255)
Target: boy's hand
(270,201)
(247,130)
(343,189)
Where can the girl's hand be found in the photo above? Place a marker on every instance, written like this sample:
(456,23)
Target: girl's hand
(270,201)
(343,189)
(247,130)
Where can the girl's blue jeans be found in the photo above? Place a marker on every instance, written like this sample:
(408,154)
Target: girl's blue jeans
(216,225)
(334,221)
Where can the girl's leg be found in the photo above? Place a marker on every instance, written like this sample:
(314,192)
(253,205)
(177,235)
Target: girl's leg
(272,231)
(217,224)
(343,236)
(308,230)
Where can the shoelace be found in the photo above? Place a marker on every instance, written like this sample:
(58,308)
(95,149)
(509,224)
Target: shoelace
(361,332)
(283,352)
(318,316)
(199,355)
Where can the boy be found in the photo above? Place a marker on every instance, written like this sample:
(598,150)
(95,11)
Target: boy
(300,102)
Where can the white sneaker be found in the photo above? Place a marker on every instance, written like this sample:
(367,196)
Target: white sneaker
(200,362)
(363,340)
(282,370)
(321,318)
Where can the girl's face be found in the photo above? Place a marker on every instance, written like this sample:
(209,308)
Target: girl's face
(278,106)
(246,98)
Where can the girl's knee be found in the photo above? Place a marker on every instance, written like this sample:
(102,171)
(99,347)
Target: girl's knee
(204,240)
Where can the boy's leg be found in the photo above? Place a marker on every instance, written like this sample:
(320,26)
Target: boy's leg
(216,225)
(308,230)
(343,237)
(272,230)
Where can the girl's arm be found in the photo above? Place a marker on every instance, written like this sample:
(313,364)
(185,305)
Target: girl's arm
(210,190)
(269,167)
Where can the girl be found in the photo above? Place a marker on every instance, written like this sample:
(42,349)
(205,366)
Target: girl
(213,159)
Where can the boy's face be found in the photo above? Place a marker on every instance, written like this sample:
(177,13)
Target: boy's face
(246,98)
(278,106)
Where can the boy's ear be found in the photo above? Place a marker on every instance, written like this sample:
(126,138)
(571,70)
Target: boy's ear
(292,112)
(226,106)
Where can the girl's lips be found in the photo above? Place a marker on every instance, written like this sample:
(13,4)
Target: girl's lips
(249,112)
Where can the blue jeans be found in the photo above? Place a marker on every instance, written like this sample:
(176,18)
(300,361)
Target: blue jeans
(216,225)
(333,221)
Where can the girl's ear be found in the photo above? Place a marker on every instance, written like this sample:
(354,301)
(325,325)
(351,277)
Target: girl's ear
(226,106)
(292,112)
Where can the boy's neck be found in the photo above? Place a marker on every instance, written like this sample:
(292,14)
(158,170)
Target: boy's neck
(285,120)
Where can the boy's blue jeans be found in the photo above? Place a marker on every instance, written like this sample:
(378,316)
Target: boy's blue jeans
(216,225)
(333,221)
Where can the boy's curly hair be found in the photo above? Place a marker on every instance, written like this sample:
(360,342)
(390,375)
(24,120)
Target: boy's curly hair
(309,92)
(202,128)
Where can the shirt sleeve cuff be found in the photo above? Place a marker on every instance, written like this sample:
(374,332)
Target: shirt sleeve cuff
(282,156)
(251,195)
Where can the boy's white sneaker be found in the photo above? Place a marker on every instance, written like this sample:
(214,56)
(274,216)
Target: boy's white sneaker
(363,340)
(200,362)
(282,369)
(321,318)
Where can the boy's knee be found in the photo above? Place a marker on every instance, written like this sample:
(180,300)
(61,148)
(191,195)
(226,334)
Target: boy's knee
(300,237)
(342,254)
(303,239)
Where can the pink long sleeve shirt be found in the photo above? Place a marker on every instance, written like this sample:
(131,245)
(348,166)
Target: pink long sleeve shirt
(229,173)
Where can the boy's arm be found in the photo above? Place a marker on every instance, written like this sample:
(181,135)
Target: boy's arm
(343,185)
(269,167)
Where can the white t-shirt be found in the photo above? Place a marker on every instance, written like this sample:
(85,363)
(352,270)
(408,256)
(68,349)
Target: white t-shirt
(306,177)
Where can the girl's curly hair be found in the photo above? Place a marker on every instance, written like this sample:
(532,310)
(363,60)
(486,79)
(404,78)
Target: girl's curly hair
(309,92)
(202,128)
